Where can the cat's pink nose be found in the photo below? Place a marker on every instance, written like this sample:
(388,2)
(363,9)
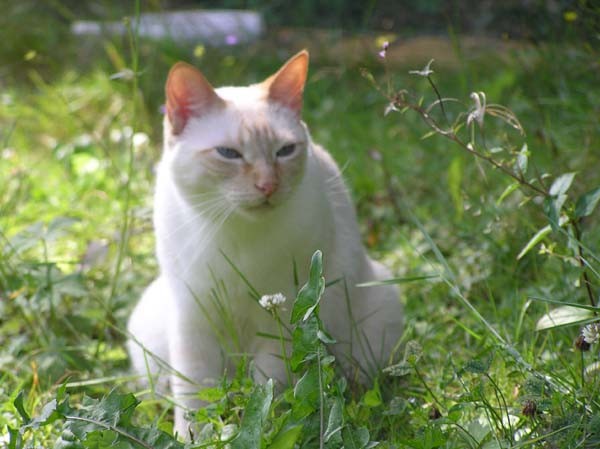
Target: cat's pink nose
(267,187)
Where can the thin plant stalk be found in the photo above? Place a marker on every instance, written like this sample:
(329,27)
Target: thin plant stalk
(132,33)
(288,371)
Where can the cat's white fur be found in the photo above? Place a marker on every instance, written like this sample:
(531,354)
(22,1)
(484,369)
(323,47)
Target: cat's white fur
(208,209)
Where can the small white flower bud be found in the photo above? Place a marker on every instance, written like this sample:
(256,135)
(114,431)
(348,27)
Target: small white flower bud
(272,302)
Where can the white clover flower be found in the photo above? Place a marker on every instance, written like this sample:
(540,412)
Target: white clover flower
(591,333)
(272,302)
(478,112)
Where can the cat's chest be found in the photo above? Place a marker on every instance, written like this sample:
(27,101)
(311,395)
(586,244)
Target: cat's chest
(269,253)
(269,256)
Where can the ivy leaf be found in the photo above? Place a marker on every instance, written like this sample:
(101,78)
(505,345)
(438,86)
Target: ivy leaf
(255,414)
(587,203)
(310,294)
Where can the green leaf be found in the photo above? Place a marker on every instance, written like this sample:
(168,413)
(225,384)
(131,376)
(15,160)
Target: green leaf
(413,351)
(335,422)
(15,440)
(522,161)
(539,236)
(509,189)
(58,227)
(562,184)
(478,366)
(429,438)
(399,369)
(287,437)
(587,203)
(255,414)
(456,412)
(305,342)
(113,410)
(372,398)
(211,394)
(105,439)
(100,424)
(397,406)
(552,208)
(307,393)
(355,438)
(325,337)
(310,294)
(18,403)
(563,316)
(48,415)
(429,134)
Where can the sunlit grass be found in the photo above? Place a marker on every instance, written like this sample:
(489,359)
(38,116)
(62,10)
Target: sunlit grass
(63,162)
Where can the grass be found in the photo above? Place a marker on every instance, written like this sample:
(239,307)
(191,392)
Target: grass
(475,371)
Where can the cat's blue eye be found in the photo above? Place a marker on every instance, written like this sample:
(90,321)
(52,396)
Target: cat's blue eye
(228,153)
(286,150)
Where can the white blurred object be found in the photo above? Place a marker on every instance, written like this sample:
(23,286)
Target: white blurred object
(218,27)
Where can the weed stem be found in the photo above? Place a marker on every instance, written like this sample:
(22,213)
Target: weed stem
(581,260)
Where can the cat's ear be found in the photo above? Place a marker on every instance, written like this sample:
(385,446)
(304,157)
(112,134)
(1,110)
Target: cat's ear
(286,86)
(188,94)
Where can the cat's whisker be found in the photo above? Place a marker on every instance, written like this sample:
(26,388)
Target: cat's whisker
(199,216)
(206,237)
(197,196)
(204,208)
(335,180)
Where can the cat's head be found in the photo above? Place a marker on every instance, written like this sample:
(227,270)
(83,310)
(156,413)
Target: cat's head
(246,146)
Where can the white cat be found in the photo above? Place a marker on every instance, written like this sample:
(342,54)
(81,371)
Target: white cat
(240,179)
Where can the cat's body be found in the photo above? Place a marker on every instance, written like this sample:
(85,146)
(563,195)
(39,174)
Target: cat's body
(264,209)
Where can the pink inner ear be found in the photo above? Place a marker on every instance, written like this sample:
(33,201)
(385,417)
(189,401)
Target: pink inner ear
(287,85)
(188,94)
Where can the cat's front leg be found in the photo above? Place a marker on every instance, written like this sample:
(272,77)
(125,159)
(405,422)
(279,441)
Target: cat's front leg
(197,362)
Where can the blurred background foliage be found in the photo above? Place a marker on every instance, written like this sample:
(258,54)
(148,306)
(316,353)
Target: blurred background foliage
(30,28)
